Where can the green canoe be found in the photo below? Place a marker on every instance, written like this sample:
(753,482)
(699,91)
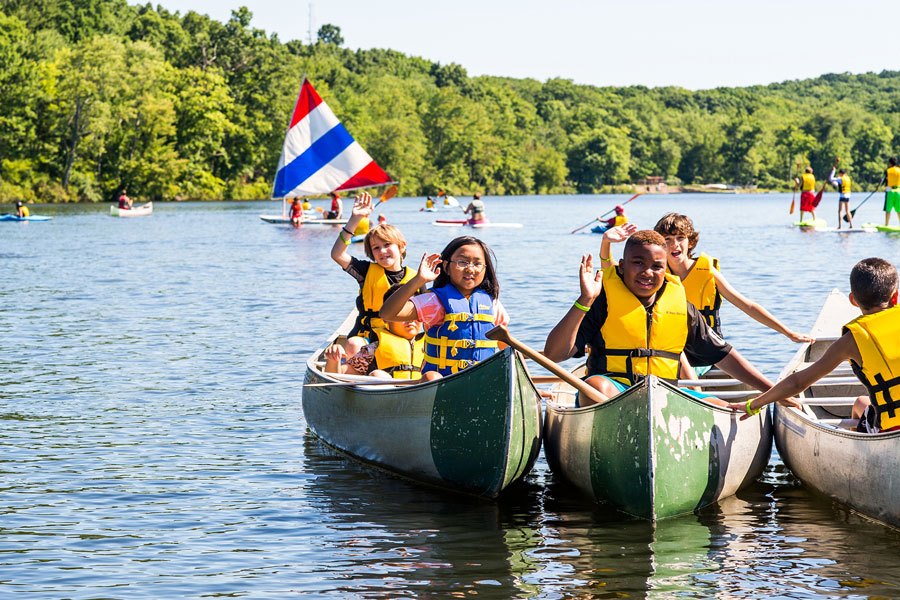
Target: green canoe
(655,452)
(476,432)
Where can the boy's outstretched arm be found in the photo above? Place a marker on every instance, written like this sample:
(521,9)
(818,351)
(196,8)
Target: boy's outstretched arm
(362,207)
(756,311)
(741,369)
(398,306)
(841,350)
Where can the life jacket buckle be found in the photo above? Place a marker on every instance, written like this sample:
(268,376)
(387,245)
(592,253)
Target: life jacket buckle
(642,352)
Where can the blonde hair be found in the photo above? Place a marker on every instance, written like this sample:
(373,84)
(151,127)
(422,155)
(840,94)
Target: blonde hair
(389,234)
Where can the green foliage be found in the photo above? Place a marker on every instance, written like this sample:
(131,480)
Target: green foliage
(96,95)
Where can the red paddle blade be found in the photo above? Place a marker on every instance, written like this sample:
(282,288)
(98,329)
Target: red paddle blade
(818,197)
(792,206)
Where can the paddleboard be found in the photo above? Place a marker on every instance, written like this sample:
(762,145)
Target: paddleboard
(863,229)
(279,219)
(8,217)
(465,223)
(817,224)
(888,228)
(432,209)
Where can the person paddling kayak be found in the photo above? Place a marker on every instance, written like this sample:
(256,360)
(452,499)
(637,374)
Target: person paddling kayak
(616,221)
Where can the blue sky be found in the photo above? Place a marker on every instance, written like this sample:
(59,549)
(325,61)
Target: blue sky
(696,44)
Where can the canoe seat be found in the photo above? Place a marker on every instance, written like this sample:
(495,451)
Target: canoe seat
(849,424)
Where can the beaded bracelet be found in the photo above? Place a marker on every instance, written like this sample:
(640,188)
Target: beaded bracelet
(752,411)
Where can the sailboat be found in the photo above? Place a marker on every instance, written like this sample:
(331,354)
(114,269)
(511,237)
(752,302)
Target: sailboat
(320,156)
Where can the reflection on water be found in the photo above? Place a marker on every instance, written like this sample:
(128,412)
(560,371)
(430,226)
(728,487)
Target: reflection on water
(152,442)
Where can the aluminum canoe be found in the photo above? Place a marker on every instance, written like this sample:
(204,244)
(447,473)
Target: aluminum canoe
(655,452)
(819,443)
(476,432)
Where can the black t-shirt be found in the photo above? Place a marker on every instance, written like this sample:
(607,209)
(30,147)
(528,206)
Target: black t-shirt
(358,270)
(703,346)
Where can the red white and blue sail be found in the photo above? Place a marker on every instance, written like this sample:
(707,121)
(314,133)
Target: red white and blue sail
(319,154)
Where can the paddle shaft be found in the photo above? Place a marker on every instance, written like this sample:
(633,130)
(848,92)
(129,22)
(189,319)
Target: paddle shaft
(387,195)
(502,334)
(853,212)
(577,229)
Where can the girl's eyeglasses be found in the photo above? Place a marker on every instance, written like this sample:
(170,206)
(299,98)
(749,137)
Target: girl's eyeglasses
(462,265)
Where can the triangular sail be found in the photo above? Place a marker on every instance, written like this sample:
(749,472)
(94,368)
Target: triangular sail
(319,155)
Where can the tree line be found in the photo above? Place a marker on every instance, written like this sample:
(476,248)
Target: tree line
(97,95)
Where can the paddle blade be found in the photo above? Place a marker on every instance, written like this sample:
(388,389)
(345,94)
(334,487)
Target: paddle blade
(792,207)
(818,197)
(387,195)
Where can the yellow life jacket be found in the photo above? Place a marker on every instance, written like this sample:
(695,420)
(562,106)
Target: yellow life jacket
(876,337)
(893,177)
(845,185)
(808,182)
(371,293)
(306,205)
(363,227)
(26,212)
(701,290)
(400,357)
(429,203)
(638,344)
(620,220)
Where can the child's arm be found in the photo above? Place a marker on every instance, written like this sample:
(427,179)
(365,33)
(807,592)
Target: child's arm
(362,207)
(755,311)
(560,343)
(841,350)
(614,235)
(398,307)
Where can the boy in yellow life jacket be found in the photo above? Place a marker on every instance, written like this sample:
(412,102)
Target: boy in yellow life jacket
(892,191)
(637,321)
(807,185)
(869,342)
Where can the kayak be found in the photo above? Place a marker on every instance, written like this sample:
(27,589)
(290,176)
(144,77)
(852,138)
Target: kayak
(599,228)
(286,220)
(17,218)
(479,225)
(810,224)
(138,211)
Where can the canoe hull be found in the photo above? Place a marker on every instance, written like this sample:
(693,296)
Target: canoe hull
(818,443)
(282,220)
(654,452)
(477,432)
(138,211)
(18,219)
(856,469)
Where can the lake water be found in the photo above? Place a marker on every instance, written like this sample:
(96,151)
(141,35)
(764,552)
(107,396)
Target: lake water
(152,442)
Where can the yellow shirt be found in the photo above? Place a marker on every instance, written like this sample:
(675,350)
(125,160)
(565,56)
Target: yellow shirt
(893,177)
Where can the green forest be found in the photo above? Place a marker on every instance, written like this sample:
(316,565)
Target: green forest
(98,95)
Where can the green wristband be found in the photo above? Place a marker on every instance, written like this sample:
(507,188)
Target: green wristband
(752,411)
(581,307)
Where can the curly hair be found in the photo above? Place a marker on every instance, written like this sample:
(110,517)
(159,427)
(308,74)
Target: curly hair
(676,224)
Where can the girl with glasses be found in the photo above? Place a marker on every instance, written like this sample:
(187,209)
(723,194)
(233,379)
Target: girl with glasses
(460,308)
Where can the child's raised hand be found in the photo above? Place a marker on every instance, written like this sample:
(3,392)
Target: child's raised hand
(362,205)
(591,281)
(620,233)
(430,266)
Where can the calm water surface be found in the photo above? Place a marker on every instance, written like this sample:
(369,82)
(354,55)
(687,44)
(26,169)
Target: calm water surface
(152,442)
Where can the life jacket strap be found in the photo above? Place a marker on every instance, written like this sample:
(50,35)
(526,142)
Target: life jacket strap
(884,386)
(454,365)
(453,318)
(445,343)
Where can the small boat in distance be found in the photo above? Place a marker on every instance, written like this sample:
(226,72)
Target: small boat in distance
(16,218)
(319,156)
(138,211)
(819,442)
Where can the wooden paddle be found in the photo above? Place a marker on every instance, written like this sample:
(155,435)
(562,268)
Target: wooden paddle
(501,334)
(592,221)
(387,195)
(794,195)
